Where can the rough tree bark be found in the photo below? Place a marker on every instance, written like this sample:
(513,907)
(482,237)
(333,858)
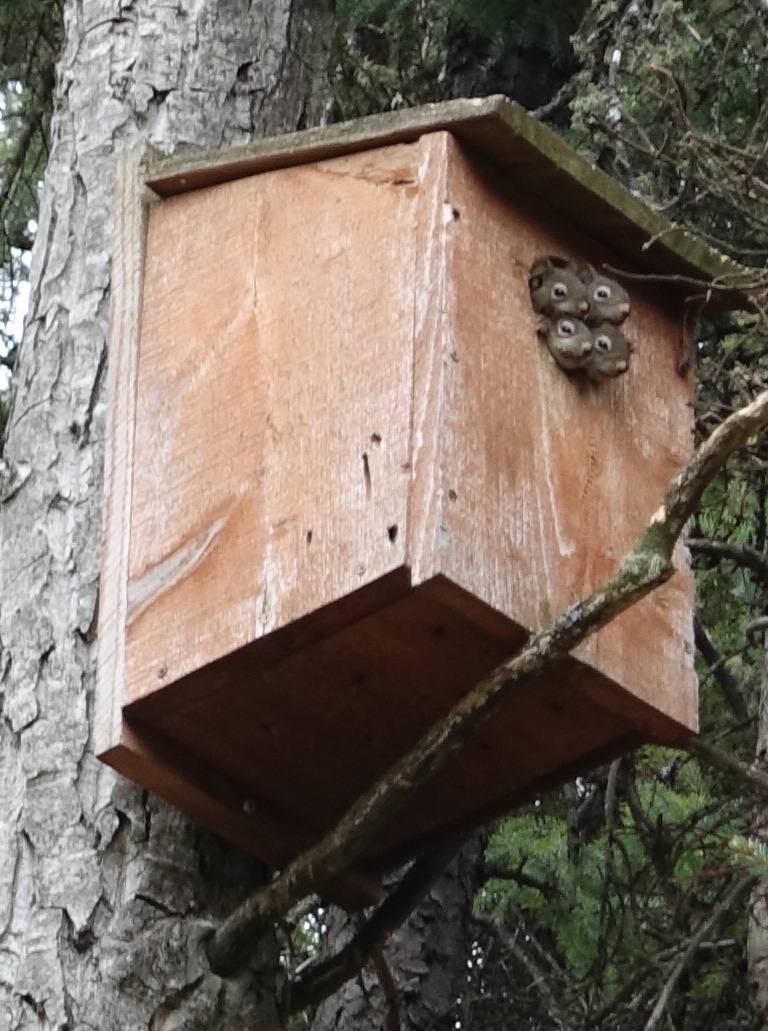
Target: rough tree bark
(105,893)
(427,959)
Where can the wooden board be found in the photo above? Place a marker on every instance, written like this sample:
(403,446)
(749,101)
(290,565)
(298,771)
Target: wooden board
(532,484)
(352,480)
(306,735)
(272,421)
(498,129)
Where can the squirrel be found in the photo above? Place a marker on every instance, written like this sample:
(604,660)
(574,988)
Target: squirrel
(556,289)
(580,312)
(610,353)
(608,300)
(569,340)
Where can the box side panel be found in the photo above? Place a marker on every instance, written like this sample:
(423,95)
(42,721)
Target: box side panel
(273,411)
(548,478)
(430,355)
(124,324)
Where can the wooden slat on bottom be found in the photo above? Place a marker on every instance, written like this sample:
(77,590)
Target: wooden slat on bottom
(281,752)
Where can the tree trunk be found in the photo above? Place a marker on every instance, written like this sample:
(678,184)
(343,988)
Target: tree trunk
(105,892)
(426,959)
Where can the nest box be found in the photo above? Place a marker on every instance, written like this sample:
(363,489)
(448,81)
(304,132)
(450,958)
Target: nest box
(345,479)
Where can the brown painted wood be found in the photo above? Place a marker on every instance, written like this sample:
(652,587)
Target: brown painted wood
(352,480)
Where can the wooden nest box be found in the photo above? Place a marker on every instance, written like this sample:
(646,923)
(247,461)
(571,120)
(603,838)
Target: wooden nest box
(345,479)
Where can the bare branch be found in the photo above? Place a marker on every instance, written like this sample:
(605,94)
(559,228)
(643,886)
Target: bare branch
(721,910)
(728,683)
(559,103)
(501,872)
(741,554)
(748,775)
(328,976)
(509,942)
(647,565)
(744,280)
(757,626)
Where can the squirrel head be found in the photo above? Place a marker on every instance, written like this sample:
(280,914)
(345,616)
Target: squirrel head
(556,289)
(610,353)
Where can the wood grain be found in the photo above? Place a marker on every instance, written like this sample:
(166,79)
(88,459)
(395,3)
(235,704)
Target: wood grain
(353,480)
(544,480)
(272,429)
(500,130)
(131,216)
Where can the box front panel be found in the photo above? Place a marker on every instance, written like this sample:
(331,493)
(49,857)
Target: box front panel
(273,406)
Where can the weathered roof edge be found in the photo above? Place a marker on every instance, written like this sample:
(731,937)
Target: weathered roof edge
(505,133)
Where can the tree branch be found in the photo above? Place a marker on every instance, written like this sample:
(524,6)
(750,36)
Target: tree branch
(704,930)
(741,554)
(728,764)
(329,975)
(647,565)
(757,626)
(728,683)
(500,871)
(559,103)
(541,982)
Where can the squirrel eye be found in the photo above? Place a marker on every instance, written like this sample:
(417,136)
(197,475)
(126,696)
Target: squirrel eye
(559,290)
(603,343)
(602,293)
(566,328)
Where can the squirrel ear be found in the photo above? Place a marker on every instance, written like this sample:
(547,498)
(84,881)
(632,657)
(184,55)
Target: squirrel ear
(586,272)
(546,263)
(540,266)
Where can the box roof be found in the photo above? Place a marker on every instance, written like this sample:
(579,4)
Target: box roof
(506,134)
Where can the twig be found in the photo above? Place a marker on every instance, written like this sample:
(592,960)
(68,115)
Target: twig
(740,281)
(509,942)
(611,819)
(533,941)
(756,626)
(647,565)
(501,872)
(622,993)
(611,790)
(704,930)
(558,103)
